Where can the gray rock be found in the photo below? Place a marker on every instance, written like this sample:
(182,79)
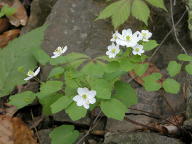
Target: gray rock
(72,23)
(40,9)
(147,101)
(139,138)
(63,117)
(44,136)
(189,97)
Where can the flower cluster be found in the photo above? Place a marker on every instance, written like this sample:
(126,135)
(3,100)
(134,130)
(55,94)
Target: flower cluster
(128,39)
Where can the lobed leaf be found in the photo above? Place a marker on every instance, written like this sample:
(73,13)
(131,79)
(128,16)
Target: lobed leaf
(64,134)
(173,68)
(140,11)
(171,86)
(125,93)
(113,108)
(23,99)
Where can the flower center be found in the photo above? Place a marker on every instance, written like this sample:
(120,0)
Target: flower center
(128,38)
(137,49)
(144,34)
(115,37)
(30,73)
(113,50)
(58,50)
(84,96)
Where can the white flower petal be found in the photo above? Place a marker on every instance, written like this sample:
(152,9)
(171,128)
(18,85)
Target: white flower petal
(28,78)
(55,56)
(64,49)
(91,94)
(37,71)
(85,105)
(92,101)
(76,98)
(82,91)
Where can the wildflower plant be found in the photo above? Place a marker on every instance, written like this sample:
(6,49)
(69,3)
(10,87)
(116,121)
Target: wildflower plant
(78,83)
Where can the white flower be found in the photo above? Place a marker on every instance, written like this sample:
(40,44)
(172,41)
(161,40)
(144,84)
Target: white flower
(146,35)
(129,39)
(59,51)
(115,36)
(85,97)
(113,50)
(32,74)
(138,50)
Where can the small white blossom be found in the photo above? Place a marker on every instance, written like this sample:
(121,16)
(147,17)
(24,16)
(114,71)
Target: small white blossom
(138,50)
(115,36)
(85,97)
(59,51)
(113,50)
(146,35)
(32,74)
(128,39)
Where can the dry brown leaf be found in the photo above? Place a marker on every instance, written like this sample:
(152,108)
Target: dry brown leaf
(20,17)
(151,69)
(4,24)
(7,36)
(14,131)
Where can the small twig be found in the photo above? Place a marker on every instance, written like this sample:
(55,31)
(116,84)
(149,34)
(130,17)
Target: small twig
(143,125)
(93,125)
(167,35)
(170,107)
(174,29)
(153,115)
(32,116)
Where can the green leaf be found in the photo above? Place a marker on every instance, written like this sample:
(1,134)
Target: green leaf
(140,69)
(49,87)
(157,3)
(93,69)
(113,108)
(41,56)
(119,11)
(140,11)
(150,82)
(48,101)
(114,75)
(125,93)
(126,65)
(61,104)
(151,44)
(68,58)
(123,13)
(171,86)
(64,134)
(71,83)
(173,68)
(6,10)
(112,67)
(102,87)
(17,54)
(76,112)
(188,68)
(56,72)
(184,57)
(23,99)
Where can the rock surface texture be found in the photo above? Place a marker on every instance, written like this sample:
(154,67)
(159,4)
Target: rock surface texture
(139,138)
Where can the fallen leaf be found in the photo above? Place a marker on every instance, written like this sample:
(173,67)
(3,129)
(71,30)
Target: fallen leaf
(151,69)
(20,17)
(14,131)
(7,36)
(4,24)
